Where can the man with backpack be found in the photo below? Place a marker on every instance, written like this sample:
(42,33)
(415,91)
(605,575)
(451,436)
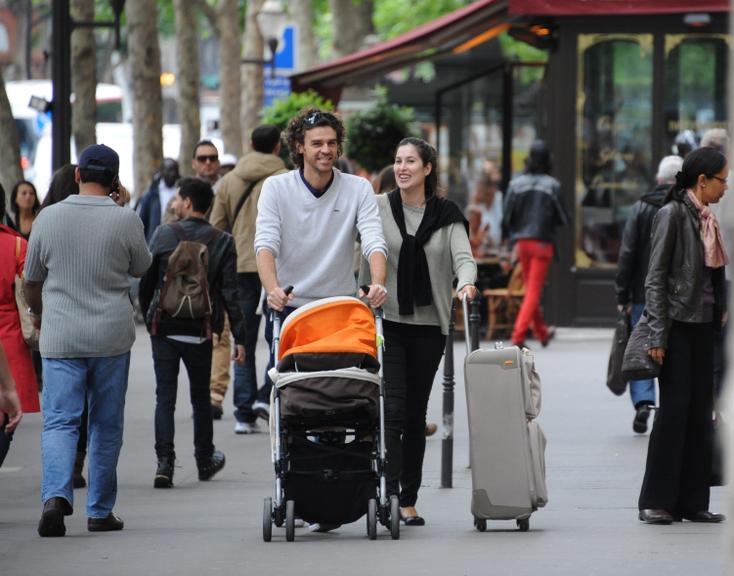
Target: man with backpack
(185,293)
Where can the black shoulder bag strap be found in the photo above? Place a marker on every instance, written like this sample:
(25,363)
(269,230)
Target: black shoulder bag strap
(244,198)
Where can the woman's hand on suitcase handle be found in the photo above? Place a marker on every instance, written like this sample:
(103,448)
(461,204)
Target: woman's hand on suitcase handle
(376,294)
(470,291)
(278,297)
(657,354)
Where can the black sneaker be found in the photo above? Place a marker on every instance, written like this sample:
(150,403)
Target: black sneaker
(214,465)
(52,517)
(164,473)
(639,424)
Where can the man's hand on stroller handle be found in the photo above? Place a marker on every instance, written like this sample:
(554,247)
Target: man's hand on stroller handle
(376,294)
(278,297)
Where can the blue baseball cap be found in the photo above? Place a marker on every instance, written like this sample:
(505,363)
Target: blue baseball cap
(99,157)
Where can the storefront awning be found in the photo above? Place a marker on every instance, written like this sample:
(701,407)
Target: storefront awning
(425,42)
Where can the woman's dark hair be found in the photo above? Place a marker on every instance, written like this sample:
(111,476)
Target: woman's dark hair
(63,184)
(307,119)
(2,204)
(428,155)
(14,198)
(707,161)
(538,160)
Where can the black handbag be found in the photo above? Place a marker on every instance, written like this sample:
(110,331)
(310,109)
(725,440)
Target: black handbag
(637,363)
(615,380)
(718,452)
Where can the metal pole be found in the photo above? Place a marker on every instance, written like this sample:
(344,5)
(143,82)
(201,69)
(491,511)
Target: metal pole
(447,444)
(61,78)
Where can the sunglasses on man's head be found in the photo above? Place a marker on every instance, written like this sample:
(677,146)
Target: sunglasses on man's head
(210,158)
(316,117)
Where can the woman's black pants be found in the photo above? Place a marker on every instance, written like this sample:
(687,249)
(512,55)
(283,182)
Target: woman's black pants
(679,453)
(411,359)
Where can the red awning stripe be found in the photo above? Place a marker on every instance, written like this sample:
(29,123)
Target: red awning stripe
(606,7)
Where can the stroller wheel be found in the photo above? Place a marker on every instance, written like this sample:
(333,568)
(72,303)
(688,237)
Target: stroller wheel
(523,524)
(394,517)
(267,519)
(372,519)
(480,523)
(290,520)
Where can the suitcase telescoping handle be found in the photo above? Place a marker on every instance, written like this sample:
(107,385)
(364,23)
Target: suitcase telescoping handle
(467,333)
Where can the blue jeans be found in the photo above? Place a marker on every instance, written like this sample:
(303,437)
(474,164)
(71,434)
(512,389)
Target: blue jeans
(245,376)
(641,390)
(67,383)
(197,359)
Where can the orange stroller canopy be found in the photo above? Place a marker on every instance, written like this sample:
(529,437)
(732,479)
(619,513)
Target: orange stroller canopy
(341,324)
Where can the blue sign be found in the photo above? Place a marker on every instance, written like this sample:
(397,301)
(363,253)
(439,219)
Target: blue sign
(285,57)
(275,88)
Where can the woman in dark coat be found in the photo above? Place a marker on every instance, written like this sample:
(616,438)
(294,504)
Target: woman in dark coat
(685,303)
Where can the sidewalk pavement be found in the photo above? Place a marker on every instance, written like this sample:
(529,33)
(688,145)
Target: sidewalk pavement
(594,465)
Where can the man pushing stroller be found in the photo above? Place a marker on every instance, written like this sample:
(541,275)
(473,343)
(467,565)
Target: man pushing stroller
(308,220)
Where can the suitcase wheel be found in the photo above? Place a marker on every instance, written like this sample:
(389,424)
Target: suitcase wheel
(480,524)
(523,524)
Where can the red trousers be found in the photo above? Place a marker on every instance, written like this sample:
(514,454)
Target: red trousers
(535,258)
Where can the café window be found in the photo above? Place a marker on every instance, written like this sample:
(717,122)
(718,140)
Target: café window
(614,124)
(695,87)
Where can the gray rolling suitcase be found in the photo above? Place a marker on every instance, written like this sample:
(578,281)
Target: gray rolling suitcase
(506,445)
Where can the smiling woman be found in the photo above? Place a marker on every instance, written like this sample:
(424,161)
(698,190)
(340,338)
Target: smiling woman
(428,243)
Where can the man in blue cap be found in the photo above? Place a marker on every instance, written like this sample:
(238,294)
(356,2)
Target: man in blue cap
(76,276)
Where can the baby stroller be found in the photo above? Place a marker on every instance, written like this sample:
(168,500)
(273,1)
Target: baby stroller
(327,419)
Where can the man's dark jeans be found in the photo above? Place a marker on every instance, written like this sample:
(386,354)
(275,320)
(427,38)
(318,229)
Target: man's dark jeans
(264,393)
(245,376)
(197,359)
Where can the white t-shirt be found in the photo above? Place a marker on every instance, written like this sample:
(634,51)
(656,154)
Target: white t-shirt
(165,194)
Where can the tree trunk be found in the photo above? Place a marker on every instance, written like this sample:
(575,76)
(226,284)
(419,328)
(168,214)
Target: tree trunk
(230,48)
(252,75)
(83,77)
(10,171)
(302,13)
(145,73)
(188,79)
(352,22)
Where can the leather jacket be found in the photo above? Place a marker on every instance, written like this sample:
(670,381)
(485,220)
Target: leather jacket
(634,255)
(533,208)
(222,280)
(673,288)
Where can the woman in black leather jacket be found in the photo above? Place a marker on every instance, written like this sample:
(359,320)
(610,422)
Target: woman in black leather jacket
(685,303)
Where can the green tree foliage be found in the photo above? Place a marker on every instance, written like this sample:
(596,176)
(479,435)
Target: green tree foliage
(373,134)
(395,17)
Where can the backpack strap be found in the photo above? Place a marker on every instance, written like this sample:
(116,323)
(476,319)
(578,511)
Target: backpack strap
(244,198)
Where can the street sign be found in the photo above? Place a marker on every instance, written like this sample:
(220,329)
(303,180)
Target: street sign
(279,86)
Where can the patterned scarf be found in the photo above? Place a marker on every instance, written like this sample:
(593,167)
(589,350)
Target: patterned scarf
(713,245)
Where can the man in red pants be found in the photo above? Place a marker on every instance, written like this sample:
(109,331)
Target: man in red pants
(533,211)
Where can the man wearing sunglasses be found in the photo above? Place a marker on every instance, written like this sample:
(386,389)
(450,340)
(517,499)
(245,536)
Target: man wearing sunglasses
(205,161)
(309,218)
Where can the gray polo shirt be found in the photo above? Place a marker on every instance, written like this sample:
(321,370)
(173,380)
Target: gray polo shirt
(83,250)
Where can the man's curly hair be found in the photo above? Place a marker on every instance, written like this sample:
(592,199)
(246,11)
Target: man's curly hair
(306,119)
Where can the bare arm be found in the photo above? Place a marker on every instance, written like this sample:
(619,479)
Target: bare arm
(277,298)
(9,401)
(32,293)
